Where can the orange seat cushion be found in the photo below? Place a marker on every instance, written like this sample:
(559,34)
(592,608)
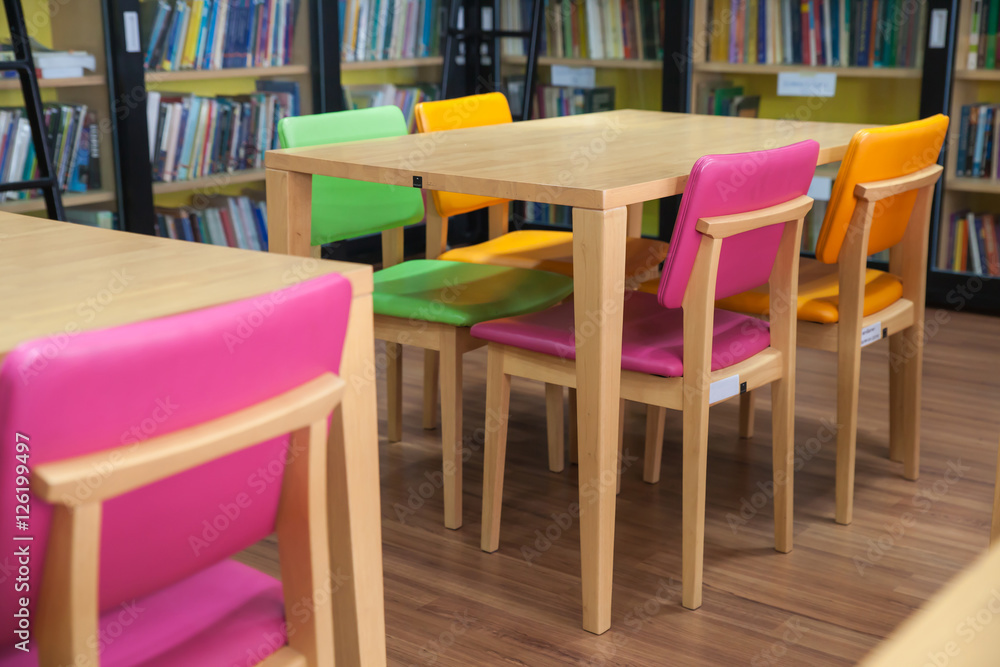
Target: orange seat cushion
(553,251)
(819,293)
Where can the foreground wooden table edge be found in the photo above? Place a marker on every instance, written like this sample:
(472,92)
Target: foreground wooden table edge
(599,247)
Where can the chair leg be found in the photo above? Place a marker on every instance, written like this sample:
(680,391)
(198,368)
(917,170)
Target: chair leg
(394,390)
(848,379)
(621,442)
(431,365)
(656,418)
(554,419)
(906,357)
(783,460)
(574,440)
(494,456)
(747,410)
(451,429)
(693,497)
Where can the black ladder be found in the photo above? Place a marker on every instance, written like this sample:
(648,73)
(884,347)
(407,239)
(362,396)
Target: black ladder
(473,35)
(24,65)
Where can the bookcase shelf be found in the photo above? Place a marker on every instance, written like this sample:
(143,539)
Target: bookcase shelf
(231,73)
(586,62)
(977,74)
(980,185)
(430,61)
(75,82)
(69,199)
(847,72)
(213,181)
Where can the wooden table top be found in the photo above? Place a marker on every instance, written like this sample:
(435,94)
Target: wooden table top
(61,277)
(598,161)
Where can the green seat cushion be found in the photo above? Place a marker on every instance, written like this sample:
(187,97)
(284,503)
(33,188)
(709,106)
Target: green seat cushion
(463,294)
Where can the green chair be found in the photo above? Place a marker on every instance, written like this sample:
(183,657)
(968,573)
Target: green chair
(424,302)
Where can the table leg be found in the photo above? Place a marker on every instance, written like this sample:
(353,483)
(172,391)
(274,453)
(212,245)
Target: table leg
(356,564)
(289,212)
(354,501)
(599,268)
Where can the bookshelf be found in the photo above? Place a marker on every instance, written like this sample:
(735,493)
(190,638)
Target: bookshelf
(971,86)
(883,94)
(58,27)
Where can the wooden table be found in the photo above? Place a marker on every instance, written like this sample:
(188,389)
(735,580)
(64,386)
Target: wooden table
(61,278)
(604,165)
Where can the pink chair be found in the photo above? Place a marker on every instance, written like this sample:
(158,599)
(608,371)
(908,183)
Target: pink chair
(156,451)
(738,227)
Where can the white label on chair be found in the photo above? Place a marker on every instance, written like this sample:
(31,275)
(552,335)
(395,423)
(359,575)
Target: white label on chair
(871,333)
(722,389)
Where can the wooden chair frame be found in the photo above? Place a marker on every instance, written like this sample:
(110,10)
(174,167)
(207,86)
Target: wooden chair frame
(437,244)
(902,322)
(68,605)
(690,393)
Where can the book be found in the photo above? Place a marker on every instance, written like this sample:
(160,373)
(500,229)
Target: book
(217,34)
(235,221)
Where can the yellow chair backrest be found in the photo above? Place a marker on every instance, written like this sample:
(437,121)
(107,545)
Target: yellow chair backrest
(462,112)
(877,155)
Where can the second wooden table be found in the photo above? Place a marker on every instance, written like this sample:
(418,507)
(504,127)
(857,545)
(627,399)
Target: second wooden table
(602,165)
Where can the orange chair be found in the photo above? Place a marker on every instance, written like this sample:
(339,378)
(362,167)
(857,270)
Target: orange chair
(528,249)
(881,200)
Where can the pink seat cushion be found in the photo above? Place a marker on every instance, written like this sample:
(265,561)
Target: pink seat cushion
(227,614)
(652,336)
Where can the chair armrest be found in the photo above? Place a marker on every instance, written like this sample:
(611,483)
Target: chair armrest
(720,227)
(877,190)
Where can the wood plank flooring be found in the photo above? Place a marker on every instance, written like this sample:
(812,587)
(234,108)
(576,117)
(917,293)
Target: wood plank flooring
(828,602)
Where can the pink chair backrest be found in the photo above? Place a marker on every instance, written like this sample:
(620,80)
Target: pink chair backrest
(103,389)
(729,184)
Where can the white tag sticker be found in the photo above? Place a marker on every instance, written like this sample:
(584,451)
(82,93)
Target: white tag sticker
(131,32)
(871,333)
(722,389)
(575,77)
(801,84)
(938,37)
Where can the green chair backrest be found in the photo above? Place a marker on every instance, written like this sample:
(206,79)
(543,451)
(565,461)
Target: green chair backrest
(343,208)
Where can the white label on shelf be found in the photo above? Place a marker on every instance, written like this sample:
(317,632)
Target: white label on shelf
(576,77)
(725,388)
(821,188)
(802,84)
(871,333)
(939,29)
(131,31)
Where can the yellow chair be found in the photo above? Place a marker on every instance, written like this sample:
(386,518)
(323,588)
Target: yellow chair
(526,249)
(881,200)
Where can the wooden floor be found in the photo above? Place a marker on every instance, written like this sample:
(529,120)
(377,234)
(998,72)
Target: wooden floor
(841,590)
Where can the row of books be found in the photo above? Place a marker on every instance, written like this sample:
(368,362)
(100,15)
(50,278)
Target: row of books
(983,28)
(191,136)
(968,242)
(389,29)
(978,143)
(555,101)
(72,133)
(597,29)
(722,98)
(217,34)
(404,97)
(237,222)
(855,33)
